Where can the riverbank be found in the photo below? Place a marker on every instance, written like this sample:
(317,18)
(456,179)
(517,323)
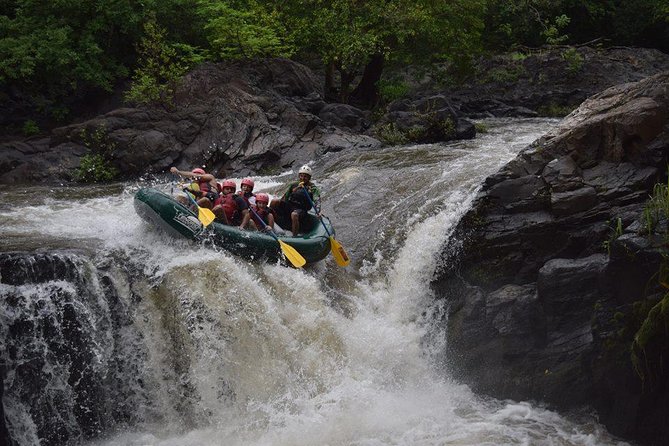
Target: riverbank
(244,118)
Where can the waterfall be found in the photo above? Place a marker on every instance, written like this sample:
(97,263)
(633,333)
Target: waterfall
(116,334)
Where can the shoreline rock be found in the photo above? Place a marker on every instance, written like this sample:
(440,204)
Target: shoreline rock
(528,276)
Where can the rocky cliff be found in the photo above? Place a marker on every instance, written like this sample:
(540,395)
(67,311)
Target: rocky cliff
(235,117)
(553,272)
(257,116)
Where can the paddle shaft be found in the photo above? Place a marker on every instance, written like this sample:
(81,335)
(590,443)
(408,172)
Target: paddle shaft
(336,248)
(264,225)
(291,253)
(311,202)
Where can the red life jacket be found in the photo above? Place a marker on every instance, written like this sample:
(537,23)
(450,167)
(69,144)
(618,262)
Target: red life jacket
(200,185)
(263,214)
(246,198)
(227,202)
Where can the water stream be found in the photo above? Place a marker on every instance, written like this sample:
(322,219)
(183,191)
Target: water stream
(120,335)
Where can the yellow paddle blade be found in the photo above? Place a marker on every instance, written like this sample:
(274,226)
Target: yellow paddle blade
(206,216)
(338,253)
(291,254)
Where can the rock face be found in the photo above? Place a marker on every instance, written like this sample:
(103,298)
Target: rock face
(548,81)
(246,117)
(541,291)
(229,118)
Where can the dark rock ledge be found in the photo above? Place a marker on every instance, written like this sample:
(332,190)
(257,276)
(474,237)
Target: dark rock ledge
(540,309)
(238,117)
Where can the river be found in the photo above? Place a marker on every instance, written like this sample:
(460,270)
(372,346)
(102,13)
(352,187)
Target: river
(117,334)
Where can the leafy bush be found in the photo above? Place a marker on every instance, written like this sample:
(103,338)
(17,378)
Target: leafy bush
(95,168)
(481,127)
(96,165)
(504,74)
(159,71)
(552,30)
(390,134)
(391,91)
(30,128)
(574,60)
(447,126)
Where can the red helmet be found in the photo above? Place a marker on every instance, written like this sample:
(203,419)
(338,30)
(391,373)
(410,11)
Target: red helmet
(198,171)
(262,198)
(248,182)
(229,183)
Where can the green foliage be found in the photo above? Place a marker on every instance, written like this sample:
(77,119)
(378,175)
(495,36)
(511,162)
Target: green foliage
(513,23)
(657,207)
(391,91)
(553,110)
(504,74)
(59,46)
(390,134)
(30,128)
(447,127)
(96,165)
(573,58)
(518,56)
(521,22)
(415,133)
(250,29)
(614,232)
(649,349)
(348,34)
(58,50)
(159,71)
(95,168)
(481,127)
(552,30)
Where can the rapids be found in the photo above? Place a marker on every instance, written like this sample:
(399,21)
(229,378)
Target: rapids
(140,339)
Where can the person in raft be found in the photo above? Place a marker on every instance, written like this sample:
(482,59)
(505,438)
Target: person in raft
(203,187)
(230,208)
(246,191)
(291,209)
(260,215)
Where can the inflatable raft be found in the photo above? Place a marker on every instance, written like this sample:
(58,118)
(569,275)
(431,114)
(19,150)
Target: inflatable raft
(163,211)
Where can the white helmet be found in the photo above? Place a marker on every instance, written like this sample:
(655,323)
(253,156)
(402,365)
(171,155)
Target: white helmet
(305,169)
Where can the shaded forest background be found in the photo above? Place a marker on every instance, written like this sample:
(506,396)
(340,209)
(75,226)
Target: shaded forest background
(63,59)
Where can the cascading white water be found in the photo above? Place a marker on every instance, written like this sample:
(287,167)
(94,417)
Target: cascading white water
(226,352)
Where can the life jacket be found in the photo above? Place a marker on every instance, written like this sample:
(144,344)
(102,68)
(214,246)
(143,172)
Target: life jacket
(263,214)
(246,197)
(200,187)
(298,199)
(229,205)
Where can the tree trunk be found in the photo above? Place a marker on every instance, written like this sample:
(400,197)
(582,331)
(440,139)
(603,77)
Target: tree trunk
(366,94)
(330,88)
(346,79)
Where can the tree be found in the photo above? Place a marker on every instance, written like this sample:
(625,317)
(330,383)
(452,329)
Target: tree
(159,69)
(61,50)
(244,29)
(359,37)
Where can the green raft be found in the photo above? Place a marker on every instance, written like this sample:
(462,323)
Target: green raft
(164,211)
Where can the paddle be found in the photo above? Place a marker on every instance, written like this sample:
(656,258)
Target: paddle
(206,216)
(336,248)
(291,254)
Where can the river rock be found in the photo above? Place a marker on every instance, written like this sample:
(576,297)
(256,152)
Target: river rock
(553,248)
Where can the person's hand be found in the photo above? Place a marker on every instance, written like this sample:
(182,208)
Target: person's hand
(174,169)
